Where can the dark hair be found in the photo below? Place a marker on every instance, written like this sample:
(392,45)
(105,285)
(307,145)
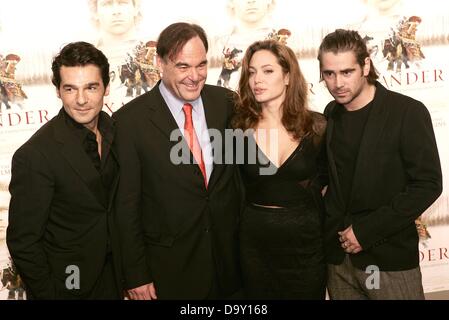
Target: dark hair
(347,40)
(173,38)
(79,54)
(296,117)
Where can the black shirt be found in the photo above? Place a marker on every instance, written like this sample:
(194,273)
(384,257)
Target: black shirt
(107,165)
(347,135)
(287,186)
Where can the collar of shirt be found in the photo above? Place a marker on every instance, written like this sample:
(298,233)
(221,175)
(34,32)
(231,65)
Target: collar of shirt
(77,128)
(105,125)
(175,106)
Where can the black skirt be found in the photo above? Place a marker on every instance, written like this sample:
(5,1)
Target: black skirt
(281,253)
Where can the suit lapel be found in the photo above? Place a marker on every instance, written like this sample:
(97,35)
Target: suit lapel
(215,113)
(161,117)
(114,185)
(373,129)
(331,159)
(160,114)
(75,155)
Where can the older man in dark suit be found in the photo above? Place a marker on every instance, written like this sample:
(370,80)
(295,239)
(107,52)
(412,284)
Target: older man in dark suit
(178,221)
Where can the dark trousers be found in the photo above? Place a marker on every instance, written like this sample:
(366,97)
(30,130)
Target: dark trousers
(106,287)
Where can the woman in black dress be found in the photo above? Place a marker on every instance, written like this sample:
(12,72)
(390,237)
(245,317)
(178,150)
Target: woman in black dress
(280,237)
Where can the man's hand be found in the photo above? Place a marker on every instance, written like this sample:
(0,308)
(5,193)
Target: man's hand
(145,292)
(349,242)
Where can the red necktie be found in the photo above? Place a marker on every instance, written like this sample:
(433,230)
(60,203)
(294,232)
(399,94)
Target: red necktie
(192,140)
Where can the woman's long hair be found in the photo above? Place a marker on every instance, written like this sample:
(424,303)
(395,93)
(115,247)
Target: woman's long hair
(296,117)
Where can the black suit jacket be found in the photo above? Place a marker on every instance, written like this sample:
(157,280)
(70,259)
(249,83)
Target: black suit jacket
(175,232)
(396,178)
(58,215)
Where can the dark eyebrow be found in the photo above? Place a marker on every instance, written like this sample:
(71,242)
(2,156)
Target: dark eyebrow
(347,70)
(90,84)
(183,64)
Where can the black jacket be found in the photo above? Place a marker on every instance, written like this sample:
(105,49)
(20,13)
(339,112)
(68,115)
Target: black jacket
(59,213)
(175,232)
(396,178)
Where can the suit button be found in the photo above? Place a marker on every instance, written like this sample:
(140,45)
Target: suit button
(206,230)
(207,198)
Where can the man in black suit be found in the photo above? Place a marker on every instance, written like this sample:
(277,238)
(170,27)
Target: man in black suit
(60,232)
(178,220)
(383,172)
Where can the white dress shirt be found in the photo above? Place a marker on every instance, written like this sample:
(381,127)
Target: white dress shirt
(175,106)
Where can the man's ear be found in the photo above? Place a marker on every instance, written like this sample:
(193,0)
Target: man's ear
(106,91)
(367,66)
(160,64)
